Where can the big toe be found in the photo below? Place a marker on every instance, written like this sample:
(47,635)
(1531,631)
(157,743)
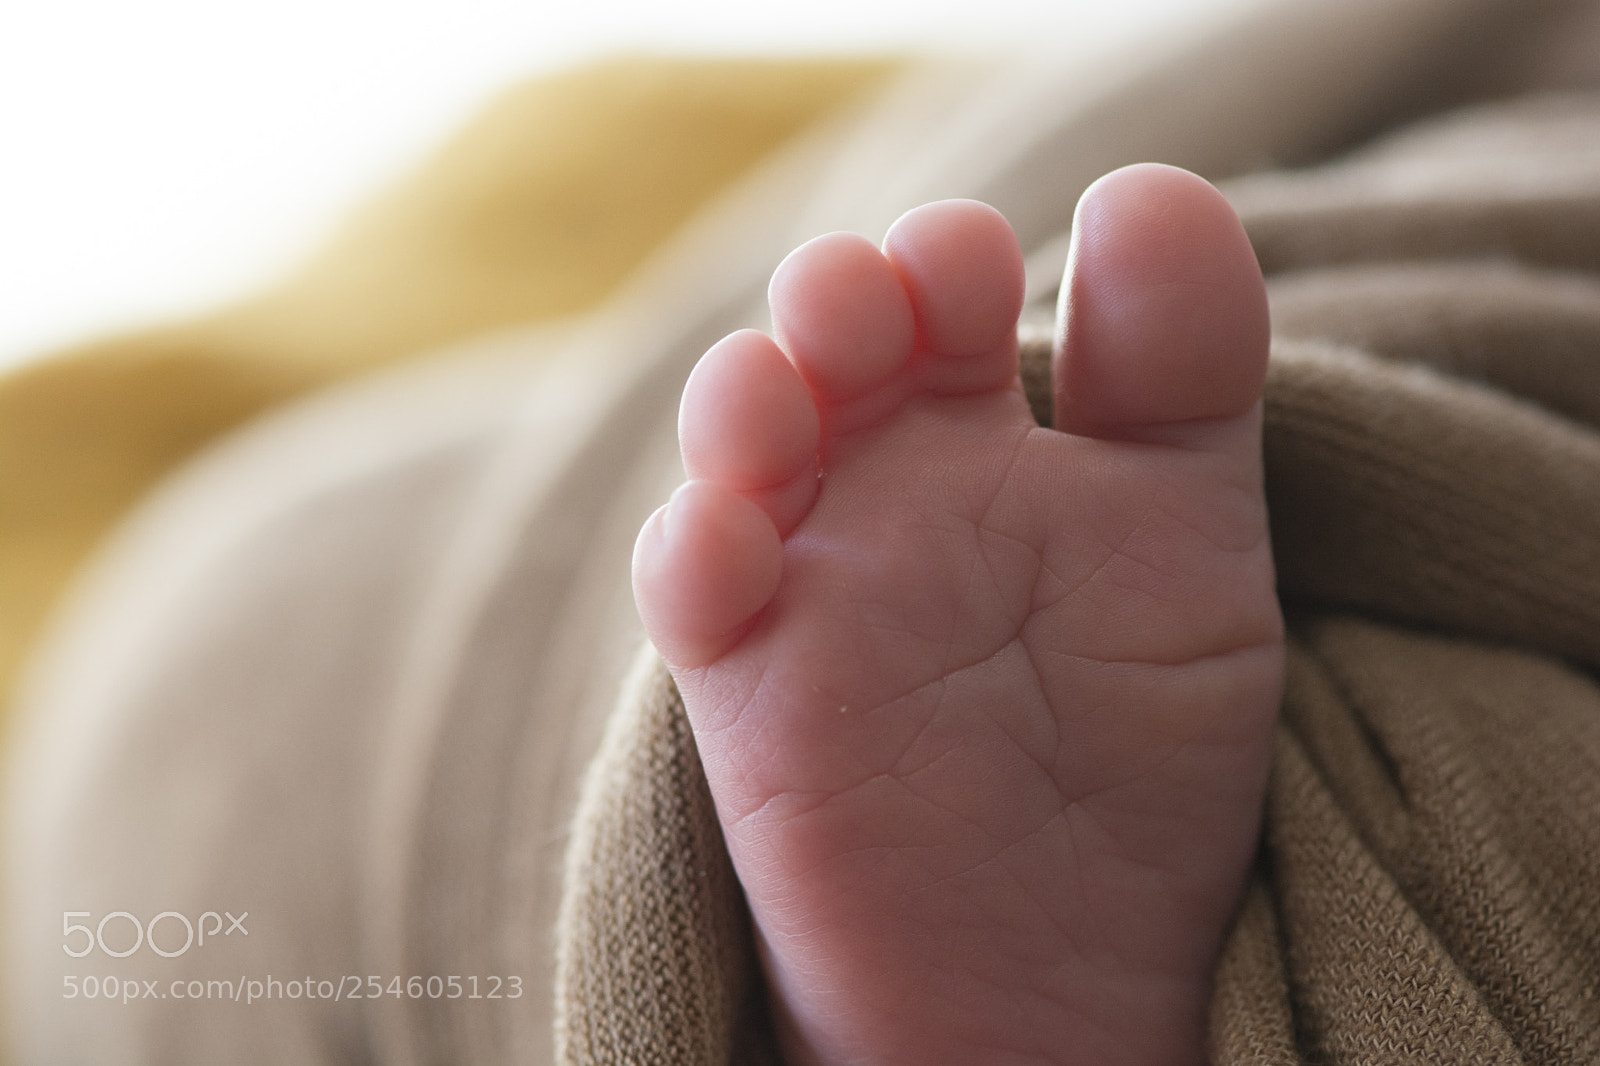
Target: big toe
(1163,314)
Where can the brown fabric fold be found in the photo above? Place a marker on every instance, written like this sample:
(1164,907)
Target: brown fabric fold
(657,897)
(1429,879)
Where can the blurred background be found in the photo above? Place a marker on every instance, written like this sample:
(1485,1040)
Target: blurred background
(161,157)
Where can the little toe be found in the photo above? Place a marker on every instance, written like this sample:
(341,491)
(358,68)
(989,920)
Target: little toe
(748,423)
(842,316)
(960,263)
(703,567)
(1163,315)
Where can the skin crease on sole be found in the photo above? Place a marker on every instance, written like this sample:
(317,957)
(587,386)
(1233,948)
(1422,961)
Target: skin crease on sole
(985,707)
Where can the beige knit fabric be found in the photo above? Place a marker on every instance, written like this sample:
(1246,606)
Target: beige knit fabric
(658,897)
(1429,879)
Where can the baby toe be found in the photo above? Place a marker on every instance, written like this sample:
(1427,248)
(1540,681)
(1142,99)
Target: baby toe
(840,313)
(961,266)
(703,567)
(748,423)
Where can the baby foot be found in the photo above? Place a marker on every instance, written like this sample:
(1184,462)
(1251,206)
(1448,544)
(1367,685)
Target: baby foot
(985,707)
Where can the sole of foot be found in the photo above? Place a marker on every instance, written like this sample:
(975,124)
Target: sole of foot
(985,706)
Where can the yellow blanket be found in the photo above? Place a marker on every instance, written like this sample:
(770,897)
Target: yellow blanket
(535,211)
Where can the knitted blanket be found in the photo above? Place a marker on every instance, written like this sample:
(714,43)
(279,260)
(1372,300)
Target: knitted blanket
(1428,887)
(355,670)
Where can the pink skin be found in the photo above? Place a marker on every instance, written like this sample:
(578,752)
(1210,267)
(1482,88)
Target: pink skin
(985,707)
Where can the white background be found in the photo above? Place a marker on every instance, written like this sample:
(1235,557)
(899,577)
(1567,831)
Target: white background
(158,157)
